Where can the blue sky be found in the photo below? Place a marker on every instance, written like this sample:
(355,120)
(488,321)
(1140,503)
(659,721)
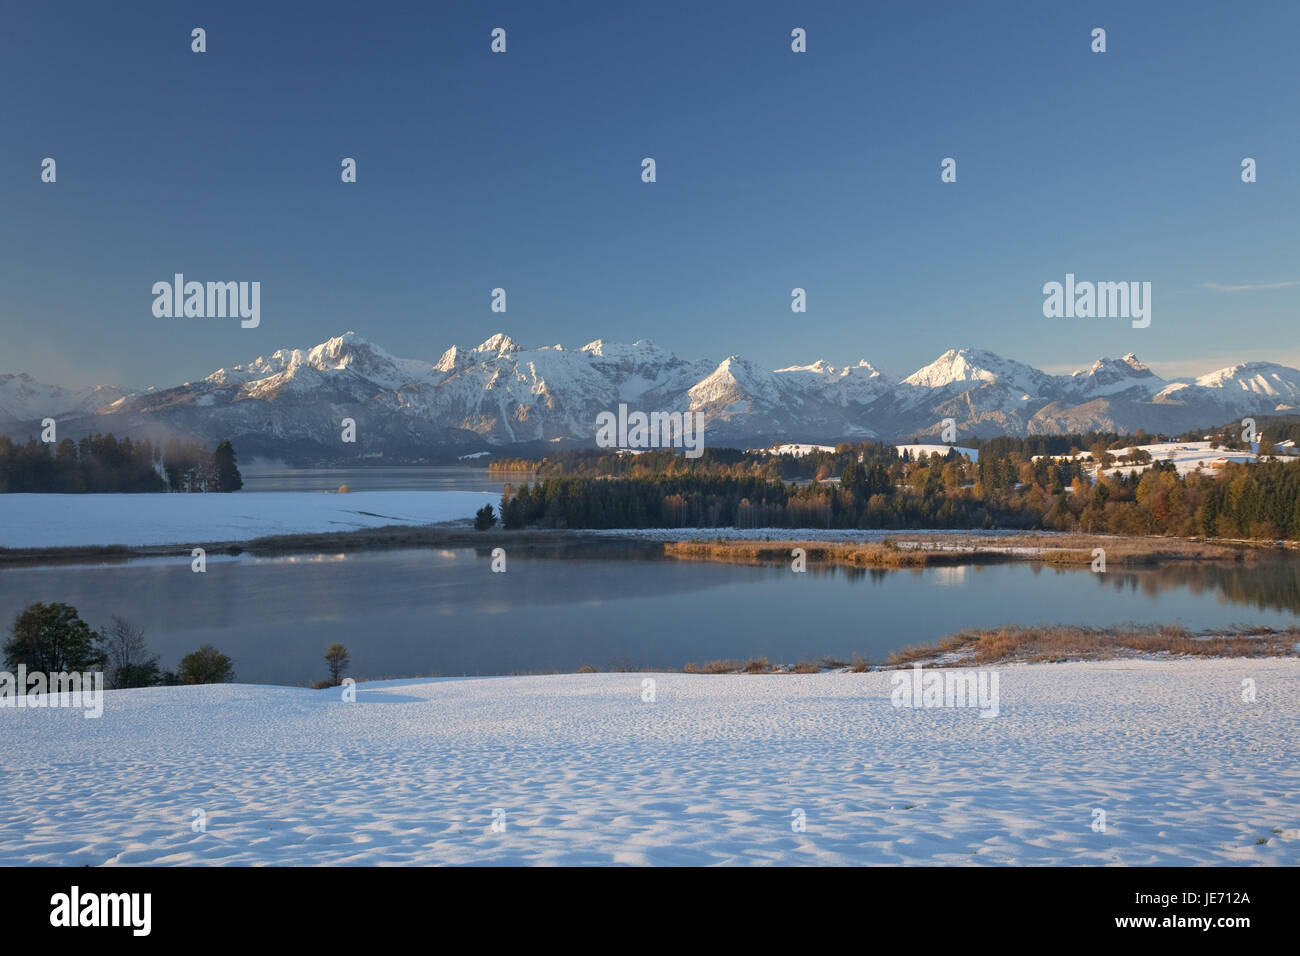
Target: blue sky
(775,170)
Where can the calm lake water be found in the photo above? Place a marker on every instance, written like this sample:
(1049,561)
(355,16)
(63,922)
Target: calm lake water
(420,612)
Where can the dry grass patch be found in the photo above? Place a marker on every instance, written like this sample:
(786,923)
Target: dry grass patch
(823,553)
(1062,643)
(713,667)
(918,550)
(860,665)
(804,667)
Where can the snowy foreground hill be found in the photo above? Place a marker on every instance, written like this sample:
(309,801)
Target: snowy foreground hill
(585,771)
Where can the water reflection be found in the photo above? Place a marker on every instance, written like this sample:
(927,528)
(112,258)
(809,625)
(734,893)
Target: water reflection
(416,612)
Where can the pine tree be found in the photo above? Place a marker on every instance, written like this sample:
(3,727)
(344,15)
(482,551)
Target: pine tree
(336,655)
(225,468)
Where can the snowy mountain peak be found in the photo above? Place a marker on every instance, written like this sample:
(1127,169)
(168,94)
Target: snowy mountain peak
(639,353)
(342,351)
(349,353)
(969,365)
(819,367)
(824,368)
(1109,376)
(499,344)
(23,398)
(452,359)
(498,393)
(457,358)
(733,369)
(735,380)
(1259,378)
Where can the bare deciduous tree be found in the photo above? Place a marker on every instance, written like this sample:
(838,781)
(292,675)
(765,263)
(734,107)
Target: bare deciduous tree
(127,661)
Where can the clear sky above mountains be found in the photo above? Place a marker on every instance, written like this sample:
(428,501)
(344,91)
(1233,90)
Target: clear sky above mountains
(775,170)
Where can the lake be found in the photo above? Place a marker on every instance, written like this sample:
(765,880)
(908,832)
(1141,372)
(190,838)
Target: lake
(413,613)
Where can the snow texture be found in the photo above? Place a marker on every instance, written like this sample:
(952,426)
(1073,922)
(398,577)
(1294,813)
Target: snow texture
(711,771)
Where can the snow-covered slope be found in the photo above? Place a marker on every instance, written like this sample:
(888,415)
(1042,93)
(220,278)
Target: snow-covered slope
(1190,456)
(1254,384)
(858,384)
(982,392)
(345,353)
(24,399)
(1115,377)
(584,770)
(958,369)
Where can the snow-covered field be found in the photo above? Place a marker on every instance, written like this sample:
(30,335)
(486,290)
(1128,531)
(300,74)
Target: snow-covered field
(798,450)
(1190,455)
(52,521)
(586,771)
(943,450)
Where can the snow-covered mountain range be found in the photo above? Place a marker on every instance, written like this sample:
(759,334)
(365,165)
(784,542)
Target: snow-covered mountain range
(501,397)
(22,397)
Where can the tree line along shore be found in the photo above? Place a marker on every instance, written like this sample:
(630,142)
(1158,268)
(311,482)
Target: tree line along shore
(875,488)
(103,464)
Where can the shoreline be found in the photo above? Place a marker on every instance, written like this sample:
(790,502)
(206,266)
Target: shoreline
(384,538)
(1010,645)
(892,548)
(944,654)
(996,647)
